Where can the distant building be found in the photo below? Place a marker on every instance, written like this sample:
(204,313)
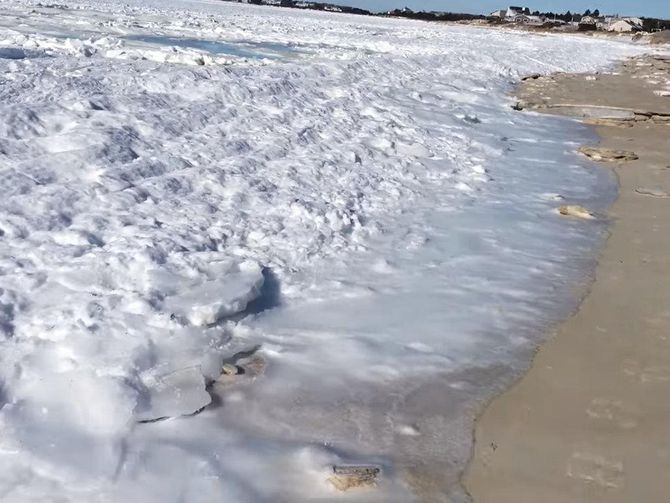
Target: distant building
(526,19)
(501,13)
(587,27)
(513,12)
(588,23)
(623,26)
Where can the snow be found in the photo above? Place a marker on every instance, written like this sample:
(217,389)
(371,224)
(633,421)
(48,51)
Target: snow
(344,208)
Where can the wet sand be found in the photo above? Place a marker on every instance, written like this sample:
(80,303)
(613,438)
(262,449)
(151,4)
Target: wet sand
(590,422)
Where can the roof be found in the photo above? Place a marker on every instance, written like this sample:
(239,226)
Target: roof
(623,25)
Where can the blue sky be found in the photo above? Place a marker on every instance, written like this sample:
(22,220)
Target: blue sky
(650,8)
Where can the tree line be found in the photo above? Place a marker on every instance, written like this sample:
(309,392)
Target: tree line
(568,16)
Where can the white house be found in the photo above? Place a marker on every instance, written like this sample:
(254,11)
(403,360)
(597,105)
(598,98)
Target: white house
(623,26)
(525,19)
(513,12)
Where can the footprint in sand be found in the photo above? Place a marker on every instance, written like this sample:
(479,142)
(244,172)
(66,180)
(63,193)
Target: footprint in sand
(647,373)
(659,320)
(595,469)
(612,411)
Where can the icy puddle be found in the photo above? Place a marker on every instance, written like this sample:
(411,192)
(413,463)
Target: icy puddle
(232,282)
(249,50)
(14,53)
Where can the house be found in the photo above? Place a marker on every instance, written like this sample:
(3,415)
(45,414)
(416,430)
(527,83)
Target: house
(501,13)
(513,12)
(526,19)
(588,23)
(605,22)
(587,27)
(623,26)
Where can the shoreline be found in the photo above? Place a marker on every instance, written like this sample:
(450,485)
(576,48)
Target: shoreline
(591,441)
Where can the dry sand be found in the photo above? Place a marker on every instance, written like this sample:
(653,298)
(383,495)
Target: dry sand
(590,422)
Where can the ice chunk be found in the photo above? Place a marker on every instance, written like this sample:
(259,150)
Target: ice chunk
(176,394)
(212,300)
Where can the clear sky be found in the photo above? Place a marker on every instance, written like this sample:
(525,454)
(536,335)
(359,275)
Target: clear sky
(649,8)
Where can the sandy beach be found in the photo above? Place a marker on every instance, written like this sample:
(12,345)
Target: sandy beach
(589,421)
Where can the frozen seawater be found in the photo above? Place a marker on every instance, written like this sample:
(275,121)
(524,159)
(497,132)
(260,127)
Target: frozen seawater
(251,50)
(12,53)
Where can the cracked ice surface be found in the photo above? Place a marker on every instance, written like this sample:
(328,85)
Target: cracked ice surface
(171,170)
